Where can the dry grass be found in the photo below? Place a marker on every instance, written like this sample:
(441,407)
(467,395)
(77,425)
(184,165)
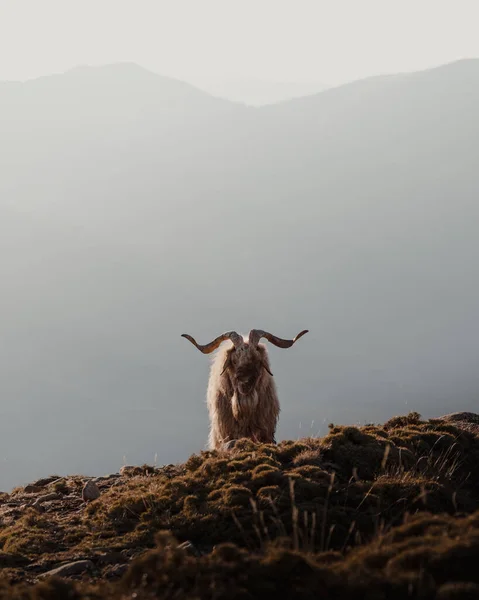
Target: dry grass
(378,510)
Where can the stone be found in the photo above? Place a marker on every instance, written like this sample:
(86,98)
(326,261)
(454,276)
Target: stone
(73,568)
(32,489)
(90,491)
(106,477)
(45,481)
(46,498)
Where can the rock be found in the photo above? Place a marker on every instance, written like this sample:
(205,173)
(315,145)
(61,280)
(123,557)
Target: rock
(32,489)
(73,568)
(106,477)
(46,498)
(45,481)
(90,491)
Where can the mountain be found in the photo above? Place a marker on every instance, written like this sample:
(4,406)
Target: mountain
(256,92)
(135,208)
(123,90)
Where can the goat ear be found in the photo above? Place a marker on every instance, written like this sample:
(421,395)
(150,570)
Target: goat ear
(227,362)
(265,367)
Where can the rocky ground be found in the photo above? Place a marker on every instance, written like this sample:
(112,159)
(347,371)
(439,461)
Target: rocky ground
(379,511)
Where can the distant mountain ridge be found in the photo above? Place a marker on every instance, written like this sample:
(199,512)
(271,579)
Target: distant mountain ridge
(134,208)
(123,89)
(254,92)
(101,74)
(128,73)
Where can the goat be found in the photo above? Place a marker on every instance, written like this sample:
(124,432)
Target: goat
(241,396)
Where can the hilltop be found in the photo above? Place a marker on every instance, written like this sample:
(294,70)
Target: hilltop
(377,511)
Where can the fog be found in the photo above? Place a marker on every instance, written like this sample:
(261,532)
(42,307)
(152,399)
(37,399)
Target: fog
(256,92)
(268,40)
(136,207)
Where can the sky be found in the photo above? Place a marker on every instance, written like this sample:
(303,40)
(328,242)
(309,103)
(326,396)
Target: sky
(273,40)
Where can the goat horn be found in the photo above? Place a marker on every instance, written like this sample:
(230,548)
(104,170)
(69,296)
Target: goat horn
(207,348)
(256,334)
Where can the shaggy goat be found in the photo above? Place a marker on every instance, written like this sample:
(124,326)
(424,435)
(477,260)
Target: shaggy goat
(242,399)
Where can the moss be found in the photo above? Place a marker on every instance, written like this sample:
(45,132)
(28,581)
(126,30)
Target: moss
(376,511)
(61,487)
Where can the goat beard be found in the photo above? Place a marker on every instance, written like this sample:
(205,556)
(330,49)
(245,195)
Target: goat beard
(244,406)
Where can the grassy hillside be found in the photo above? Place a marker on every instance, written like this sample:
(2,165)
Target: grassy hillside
(388,511)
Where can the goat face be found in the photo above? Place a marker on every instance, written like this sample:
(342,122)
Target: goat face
(244,366)
(245,370)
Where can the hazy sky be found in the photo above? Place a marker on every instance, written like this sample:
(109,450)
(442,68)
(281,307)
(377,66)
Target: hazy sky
(292,40)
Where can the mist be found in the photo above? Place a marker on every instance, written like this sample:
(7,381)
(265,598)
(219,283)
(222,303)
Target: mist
(137,204)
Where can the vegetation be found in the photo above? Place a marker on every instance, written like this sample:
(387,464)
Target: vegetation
(387,511)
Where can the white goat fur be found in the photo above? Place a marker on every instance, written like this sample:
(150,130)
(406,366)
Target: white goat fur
(234,416)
